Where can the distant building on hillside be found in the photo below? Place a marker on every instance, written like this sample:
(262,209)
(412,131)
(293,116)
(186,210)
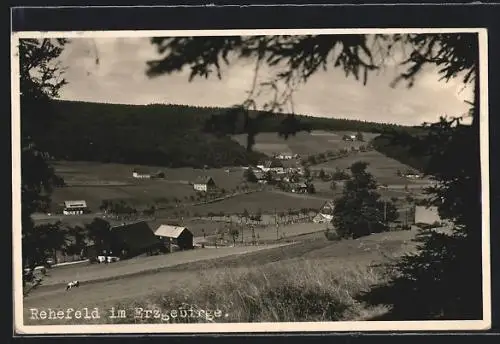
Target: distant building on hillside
(349,137)
(177,235)
(141,174)
(286,156)
(75,207)
(413,176)
(204,184)
(299,188)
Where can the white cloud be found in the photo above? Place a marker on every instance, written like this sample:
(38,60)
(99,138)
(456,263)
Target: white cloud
(120,78)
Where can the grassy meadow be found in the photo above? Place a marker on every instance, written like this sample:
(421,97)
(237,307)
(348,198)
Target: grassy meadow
(312,280)
(383,168)
(95,182)
(303,143)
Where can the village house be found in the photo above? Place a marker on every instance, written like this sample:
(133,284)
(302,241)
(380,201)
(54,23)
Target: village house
(286,156)
(204,184)
(427,215)
(299,188)
(349,137)
(75,207)
(272,166)
(133,239)
(413,176)
(141,174)
(325,214)
(261,177)
(175,235)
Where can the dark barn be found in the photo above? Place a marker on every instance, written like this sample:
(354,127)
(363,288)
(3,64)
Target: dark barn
(180,236)
(130,240)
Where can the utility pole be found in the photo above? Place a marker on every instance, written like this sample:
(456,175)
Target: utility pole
(385,212)
(277,225)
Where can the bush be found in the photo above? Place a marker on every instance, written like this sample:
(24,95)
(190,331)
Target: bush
(332,235)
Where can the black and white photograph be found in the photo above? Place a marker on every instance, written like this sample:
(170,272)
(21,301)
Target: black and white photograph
(213,181)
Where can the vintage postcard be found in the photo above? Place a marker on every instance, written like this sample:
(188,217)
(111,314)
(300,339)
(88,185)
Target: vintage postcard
(226,181)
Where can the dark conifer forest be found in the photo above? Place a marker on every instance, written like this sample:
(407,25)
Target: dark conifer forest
(178,135)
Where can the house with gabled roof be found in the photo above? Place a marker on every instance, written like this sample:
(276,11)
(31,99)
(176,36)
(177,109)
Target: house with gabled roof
(133,239)
(75,207)
(178,235)
(272,165)
(325,214)
(141,174)
(204,184)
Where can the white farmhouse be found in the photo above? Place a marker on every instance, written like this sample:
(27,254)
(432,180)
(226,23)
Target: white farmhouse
(204,184)
(74,207)
(141,175)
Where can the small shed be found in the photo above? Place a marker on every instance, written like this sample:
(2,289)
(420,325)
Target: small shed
(178,235)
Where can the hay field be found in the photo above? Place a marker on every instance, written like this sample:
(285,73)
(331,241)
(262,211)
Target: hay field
(383,168)
(94,182)
(302,143)
(253,202)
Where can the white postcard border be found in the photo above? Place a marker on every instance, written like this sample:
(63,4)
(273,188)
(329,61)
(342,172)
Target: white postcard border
(340,326)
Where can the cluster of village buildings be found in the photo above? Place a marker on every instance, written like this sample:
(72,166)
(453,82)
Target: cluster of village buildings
(138,237)
(129,240)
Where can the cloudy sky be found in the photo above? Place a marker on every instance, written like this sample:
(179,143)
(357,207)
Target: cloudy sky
(120,78)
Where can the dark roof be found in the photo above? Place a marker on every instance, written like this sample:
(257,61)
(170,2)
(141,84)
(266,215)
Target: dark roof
(203,180)
(259,174)
(137,235)
(327,208)
(273,163)
(141,171)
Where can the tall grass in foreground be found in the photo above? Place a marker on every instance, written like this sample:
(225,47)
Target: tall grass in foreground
(299,290)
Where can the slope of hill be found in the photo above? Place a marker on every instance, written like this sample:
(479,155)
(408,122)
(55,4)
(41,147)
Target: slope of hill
(165,135)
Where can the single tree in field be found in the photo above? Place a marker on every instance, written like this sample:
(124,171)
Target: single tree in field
(269,177)
(245,214)
(234,234)
(307,174)
(249,176)
(99,231)
(322,174)
(360,137)
(360,211)
(333,185)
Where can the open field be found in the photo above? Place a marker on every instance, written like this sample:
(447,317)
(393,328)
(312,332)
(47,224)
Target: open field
(339,258)
(268,234)
(302,143)
(95,182)
(383,168)
(265,201)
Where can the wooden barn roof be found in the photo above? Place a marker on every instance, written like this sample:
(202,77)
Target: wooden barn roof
(137,235)
(79,203)
(170,231)
(203,180)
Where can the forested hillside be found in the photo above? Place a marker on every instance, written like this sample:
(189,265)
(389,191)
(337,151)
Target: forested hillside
(166,135)
(394,145)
